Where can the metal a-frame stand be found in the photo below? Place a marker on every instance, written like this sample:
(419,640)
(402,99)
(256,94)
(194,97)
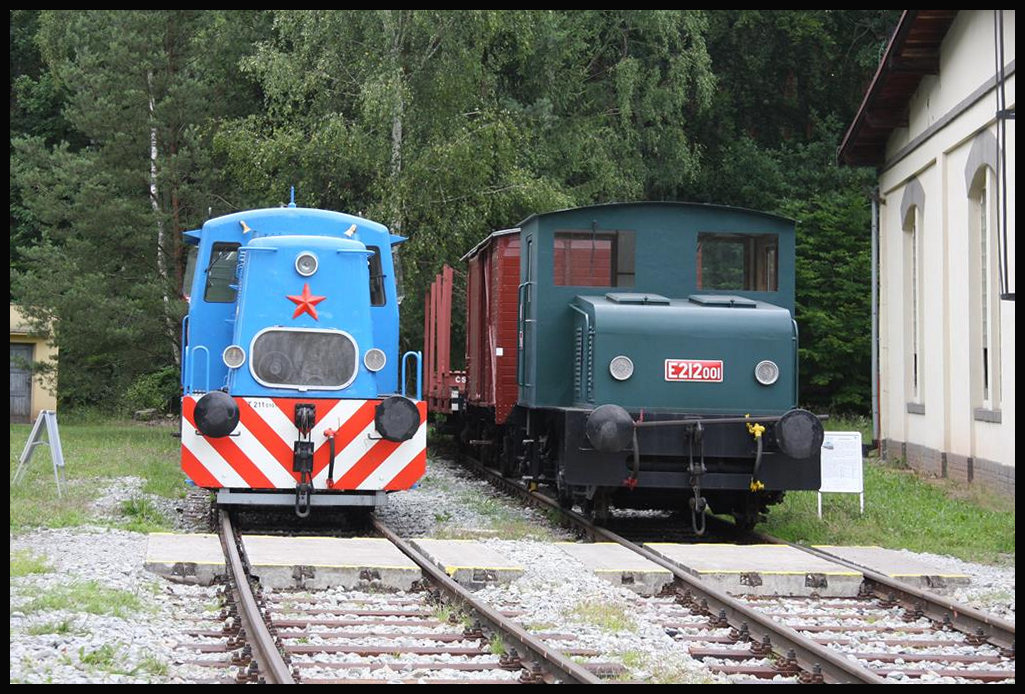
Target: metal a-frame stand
(47,418)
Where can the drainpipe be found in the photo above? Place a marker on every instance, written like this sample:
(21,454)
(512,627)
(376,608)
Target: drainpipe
(875,321)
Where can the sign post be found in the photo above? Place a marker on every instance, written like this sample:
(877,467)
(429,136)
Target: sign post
(842,466)
(47,418)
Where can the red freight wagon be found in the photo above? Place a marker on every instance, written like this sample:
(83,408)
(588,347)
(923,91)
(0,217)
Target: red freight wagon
(489,382)
(493,278)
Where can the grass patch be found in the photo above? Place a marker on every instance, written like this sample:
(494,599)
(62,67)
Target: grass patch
(151,666)
(102,658)
(96,451)
(24,563)
(847,422)
(903,511)
(88,596)
(442,613)
(62,627)
(142,516)
(656,671)
(108,658)
(607,616)
(496,645)
(504,520)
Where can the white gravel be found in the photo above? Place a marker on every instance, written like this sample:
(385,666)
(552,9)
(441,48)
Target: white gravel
(991,588)
(109,506)
(451,503)
(96,616)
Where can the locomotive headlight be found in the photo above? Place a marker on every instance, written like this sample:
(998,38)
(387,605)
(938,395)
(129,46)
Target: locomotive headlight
(767,372)
(306,263)
(374,359)
(621,368)
(233,356)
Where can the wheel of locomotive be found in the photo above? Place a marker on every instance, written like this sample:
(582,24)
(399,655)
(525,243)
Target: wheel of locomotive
(746,518)
(597,507)
(563,491)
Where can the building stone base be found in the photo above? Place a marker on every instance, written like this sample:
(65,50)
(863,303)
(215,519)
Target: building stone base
(933,463)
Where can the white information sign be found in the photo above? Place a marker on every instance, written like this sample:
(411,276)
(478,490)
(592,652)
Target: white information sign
(842,465)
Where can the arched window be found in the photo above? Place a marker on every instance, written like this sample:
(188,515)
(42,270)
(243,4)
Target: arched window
(984,283)
(912,225)
(912,211)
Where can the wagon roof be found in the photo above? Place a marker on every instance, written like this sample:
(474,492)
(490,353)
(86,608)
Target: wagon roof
(484,242)
(655,203)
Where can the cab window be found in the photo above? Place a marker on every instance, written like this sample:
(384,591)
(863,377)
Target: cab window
(377,295)
(220,274)
(586,258)
(739,262)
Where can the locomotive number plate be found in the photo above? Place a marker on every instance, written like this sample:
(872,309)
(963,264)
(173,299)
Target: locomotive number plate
(700,370)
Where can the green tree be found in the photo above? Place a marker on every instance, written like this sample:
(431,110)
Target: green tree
(140,92)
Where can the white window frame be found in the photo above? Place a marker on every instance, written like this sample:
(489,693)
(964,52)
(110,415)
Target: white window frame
(984,292)
(914,314)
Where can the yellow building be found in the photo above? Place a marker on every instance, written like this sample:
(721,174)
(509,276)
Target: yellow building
(29,394)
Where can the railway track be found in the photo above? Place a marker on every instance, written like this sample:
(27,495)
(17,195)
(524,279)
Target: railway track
(893,632)
(439,634)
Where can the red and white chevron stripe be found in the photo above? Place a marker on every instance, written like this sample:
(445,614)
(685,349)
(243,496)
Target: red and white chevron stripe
(258,454)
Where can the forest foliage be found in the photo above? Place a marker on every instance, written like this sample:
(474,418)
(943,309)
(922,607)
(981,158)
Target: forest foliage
(129,127)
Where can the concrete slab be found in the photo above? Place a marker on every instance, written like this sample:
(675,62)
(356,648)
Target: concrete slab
(900,566)
(762,569)
(185,558)
(327,562)
(620,566)
(470,563)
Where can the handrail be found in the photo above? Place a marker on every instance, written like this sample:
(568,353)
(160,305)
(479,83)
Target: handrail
(192,368)
(419,373)
(521,325)
(185,348)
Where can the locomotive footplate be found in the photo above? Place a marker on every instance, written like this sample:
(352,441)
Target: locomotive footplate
(665,451)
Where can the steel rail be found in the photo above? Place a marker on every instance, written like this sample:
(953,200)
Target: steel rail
(835,668)
(265,651)
(558,665)
(936,607)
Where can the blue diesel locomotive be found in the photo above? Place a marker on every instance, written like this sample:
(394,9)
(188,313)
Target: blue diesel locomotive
(292,393)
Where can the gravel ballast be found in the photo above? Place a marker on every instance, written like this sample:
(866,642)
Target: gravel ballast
(83,609)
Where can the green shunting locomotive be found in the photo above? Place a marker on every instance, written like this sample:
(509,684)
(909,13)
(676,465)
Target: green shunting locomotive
(640,355)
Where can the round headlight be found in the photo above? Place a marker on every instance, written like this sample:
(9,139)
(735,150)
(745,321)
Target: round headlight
(766,372)
(233,356)
(621,368)
(306,263)
(374,359)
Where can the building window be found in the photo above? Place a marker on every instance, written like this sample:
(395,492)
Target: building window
(984,283)
(913,323)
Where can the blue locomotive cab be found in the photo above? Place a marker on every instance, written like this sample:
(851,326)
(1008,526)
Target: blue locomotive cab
(284,289)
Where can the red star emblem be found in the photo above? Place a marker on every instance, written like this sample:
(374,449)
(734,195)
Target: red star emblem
(305,302)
